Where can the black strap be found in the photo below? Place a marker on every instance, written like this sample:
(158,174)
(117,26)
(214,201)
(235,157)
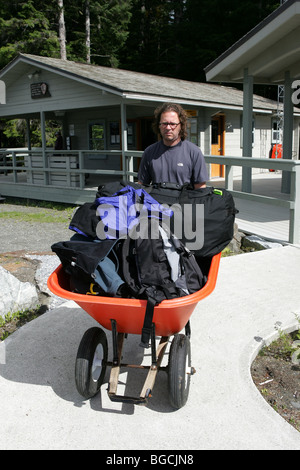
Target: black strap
(177,186)
(146,330)
(170,292)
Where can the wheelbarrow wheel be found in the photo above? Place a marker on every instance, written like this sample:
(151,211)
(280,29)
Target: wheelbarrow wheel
(91,362)
(179,376)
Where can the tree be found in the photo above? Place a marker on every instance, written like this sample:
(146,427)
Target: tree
(209,27)
(147,47)
(178,38)
(62,30)
(96,30)
(175,38)
(109,30)
(26,27)
(15,132)
(88,31)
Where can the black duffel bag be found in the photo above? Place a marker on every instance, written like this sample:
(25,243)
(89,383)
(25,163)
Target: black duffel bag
(212,227)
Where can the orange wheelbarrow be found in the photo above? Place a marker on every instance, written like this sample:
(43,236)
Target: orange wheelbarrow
(126,316)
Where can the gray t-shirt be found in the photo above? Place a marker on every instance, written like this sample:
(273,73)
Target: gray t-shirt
(182,163)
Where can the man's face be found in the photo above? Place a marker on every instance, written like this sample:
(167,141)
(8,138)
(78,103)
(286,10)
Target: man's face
(170,128)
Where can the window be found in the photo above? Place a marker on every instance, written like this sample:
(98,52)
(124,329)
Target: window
(276,131)
(114,132)
(96,133)
(131,135)
(192,130)
(2,92)
(214,132)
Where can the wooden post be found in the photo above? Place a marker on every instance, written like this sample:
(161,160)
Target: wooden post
(294,227)
(287,141)
(124,138)
(44,154)
(247,130)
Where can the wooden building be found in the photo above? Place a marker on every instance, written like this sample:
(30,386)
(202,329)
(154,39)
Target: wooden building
(106,116)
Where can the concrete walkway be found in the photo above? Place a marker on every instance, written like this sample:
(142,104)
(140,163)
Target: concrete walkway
(41,409)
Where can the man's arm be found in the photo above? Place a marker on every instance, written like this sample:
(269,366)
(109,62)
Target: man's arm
(199,185)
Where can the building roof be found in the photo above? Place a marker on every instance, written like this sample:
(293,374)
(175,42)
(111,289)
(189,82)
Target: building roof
(268,51)
(135,85)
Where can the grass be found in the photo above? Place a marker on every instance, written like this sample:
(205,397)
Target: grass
(41,217)
(37,203)
(227,252)
(282,347)
(12,321)
(48,212)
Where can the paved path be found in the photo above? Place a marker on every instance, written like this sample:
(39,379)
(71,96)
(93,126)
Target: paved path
(41,409)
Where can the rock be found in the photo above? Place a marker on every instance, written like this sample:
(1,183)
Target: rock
(15,295)
(236,242)
(47,264)
(296,354)
(257,243)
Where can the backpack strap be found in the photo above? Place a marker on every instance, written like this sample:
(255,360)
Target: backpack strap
(170,292)
(147,327)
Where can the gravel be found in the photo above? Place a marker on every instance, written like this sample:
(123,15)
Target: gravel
(34,237)
(31,237)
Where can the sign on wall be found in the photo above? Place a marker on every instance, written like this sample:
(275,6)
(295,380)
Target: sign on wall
(39,90)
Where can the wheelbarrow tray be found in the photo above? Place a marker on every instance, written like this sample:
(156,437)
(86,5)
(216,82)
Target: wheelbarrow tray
(126,316)
(170,316)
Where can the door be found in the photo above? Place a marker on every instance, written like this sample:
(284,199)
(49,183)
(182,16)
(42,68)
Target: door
(217,143)
(147,136)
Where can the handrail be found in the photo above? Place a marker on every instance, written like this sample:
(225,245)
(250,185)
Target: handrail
(292,166)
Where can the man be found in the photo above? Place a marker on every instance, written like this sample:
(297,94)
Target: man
(172,159)
(59,141)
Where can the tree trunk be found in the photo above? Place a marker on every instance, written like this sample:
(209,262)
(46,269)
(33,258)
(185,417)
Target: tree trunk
(62,30)
(88,31)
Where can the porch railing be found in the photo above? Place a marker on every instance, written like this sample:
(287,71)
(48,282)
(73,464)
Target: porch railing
(291,166)
(61,162)
(74,171)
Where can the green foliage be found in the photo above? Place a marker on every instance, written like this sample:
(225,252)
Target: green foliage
(41,217)
(180,38)
(175,38)
(13,321)
(26,27)
(16,132)
(282,347)
(109,30)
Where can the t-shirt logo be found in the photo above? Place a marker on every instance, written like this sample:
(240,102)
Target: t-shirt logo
(179,164)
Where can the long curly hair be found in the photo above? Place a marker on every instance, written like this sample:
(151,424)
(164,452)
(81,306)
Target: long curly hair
(181,115)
